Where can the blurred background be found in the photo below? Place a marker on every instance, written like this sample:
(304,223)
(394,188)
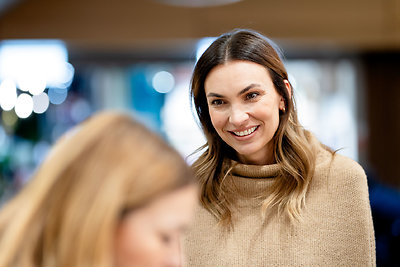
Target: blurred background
(62,60)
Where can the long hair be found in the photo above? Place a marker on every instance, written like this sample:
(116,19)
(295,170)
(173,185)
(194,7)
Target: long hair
(292,149)
(68,213)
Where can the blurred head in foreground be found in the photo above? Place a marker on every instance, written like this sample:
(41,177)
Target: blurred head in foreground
(110,193)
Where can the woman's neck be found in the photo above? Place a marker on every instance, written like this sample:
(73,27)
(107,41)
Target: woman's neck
(257,159)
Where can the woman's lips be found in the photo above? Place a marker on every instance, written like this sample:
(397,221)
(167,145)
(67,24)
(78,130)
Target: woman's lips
(244,133)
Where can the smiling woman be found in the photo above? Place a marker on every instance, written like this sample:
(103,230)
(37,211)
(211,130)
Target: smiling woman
(271,193)
(244,109)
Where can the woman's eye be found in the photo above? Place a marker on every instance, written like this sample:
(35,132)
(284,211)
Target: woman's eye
(217,102)
(251,95)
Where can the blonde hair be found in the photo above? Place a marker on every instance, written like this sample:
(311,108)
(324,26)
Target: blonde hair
(293,150)
(67,214)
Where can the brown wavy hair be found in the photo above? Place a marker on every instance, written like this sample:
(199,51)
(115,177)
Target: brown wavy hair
(292,149)
(68,213)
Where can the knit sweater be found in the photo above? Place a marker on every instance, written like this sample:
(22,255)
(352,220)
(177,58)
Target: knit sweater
(336,230)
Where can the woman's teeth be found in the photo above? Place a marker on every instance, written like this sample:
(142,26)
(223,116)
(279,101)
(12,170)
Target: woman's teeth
(246,132)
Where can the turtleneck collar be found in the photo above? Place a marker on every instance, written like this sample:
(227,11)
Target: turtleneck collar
(272,170)
(255,171)
(249,181)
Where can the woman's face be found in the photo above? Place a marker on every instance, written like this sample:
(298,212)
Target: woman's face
(244,109)
(150,236)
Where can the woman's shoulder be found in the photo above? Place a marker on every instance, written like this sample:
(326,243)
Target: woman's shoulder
(334,160)
(343,170)
(327,158)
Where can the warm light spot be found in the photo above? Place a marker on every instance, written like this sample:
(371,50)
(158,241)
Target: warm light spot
(9,118)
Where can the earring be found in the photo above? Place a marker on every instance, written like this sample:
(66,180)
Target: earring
(282,106)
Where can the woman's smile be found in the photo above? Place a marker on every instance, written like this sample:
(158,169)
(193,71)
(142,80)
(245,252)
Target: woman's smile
(244,133)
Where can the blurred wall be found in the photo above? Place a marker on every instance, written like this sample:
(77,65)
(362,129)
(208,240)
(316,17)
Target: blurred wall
(382,74)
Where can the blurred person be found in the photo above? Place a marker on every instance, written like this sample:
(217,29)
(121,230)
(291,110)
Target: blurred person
(271,193)
(110,193)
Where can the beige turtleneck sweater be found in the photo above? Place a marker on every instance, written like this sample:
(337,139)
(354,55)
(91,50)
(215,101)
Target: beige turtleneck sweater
(337,229)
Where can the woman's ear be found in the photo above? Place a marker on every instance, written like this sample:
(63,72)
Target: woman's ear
(288,87)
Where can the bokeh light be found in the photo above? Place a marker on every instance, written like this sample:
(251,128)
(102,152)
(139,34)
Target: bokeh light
(8,94)
(57,96)
(40,103)
(65,76)
(34,84)
(31,66)
(80,110)
(24,106)
(25,58)
(163,82)
(9,118)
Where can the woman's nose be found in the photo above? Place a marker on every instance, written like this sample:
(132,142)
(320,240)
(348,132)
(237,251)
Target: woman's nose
(238,116)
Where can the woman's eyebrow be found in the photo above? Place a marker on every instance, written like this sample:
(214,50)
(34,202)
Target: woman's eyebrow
(213,95)
(247,88)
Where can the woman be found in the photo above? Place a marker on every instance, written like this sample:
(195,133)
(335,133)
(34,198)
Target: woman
(271,194)
(110,193)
